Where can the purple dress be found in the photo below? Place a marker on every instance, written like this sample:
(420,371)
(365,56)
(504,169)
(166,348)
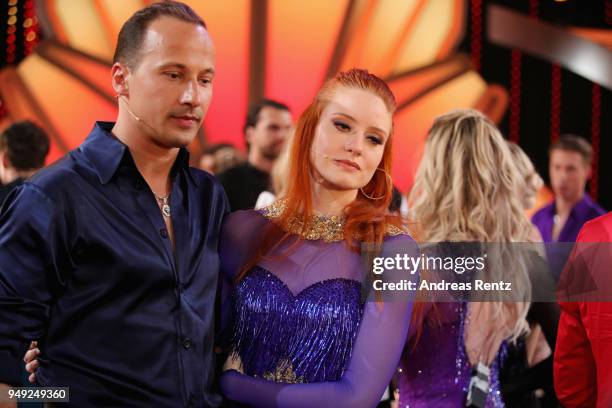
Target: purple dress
(303,333)
(436,373)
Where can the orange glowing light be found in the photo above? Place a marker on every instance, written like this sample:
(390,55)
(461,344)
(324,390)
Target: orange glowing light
(411,44)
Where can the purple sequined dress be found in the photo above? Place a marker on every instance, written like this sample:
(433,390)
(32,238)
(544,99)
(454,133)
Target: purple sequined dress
(303,334)
(295,338)
(437,372)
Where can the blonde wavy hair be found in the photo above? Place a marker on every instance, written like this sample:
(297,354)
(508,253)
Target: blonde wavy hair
(467,189)
(532,180)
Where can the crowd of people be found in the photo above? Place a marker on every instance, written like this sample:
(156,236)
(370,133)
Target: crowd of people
(137,280)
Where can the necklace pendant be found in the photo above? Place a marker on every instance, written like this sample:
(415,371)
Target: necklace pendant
(166,210)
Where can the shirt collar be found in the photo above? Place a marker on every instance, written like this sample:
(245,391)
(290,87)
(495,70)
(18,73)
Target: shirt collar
(584,204)
(580,207)
(105,152)
(182,163)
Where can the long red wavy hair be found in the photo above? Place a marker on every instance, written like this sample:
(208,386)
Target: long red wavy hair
(366,219)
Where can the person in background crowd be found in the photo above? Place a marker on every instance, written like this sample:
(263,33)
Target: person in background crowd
(399,203)
(23,149)
(569,169)
(527,375)
(219,157)
(583,356)
(532,180)
(278,179)
(560,221)
(267,127)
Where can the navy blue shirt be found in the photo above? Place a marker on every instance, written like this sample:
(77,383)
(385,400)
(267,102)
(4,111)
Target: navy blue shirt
(88,269)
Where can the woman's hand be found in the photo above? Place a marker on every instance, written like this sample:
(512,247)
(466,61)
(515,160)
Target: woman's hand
(31,360)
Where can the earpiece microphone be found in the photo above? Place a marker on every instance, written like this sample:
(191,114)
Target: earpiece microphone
(127,106)
(136,117)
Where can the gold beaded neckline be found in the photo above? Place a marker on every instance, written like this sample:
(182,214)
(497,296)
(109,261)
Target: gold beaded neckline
(320,227)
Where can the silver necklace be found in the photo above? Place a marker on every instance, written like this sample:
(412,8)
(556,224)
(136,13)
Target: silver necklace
(165,205)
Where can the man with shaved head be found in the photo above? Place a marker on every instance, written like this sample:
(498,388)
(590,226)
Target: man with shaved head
(109,258)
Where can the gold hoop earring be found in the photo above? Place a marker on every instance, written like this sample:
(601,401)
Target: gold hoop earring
(382,196)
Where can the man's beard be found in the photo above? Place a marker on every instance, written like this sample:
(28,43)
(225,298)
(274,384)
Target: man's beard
(272,152)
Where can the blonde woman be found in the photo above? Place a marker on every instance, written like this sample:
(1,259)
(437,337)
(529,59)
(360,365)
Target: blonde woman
(531,184)
(465,190)
(529,364)
(531,179)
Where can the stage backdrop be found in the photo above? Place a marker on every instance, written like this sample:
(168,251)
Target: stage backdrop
(281,49)
(553,57)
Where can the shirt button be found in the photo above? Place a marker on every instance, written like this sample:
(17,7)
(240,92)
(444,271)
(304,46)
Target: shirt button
(163,232)
(187,343)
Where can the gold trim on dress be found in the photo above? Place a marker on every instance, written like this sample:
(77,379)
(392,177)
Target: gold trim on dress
(321,227)
(284,374)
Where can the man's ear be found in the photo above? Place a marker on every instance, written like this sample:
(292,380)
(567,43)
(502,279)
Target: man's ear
(249,134)
(119,74)
(589,171)
(4,160)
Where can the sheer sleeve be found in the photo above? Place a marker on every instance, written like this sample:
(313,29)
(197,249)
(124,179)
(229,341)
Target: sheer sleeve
(237,244)
(380,340)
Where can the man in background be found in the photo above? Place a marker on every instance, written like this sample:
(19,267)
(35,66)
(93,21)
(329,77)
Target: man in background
(268,125)
(569,169)
(560,221)
(219,157)
(23,149)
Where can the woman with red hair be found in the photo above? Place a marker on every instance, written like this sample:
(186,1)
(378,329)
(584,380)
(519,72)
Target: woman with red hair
(303,336)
